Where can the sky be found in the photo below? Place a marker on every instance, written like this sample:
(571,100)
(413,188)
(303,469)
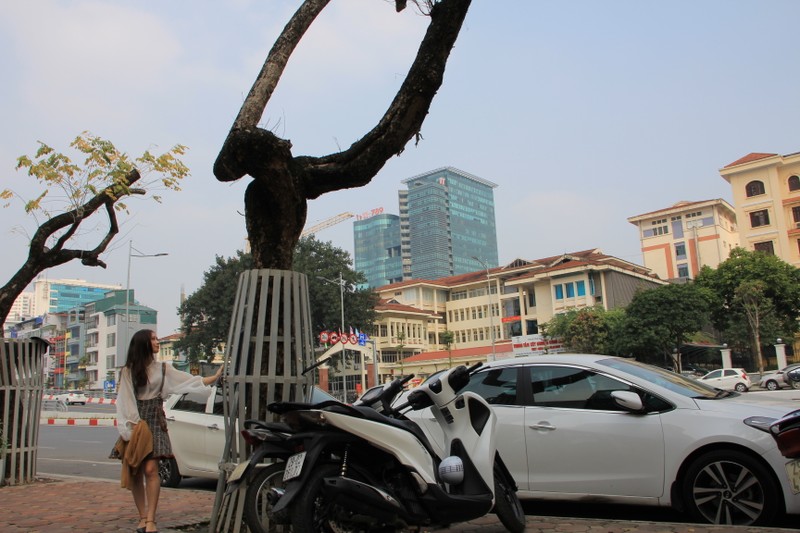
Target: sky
(584,113)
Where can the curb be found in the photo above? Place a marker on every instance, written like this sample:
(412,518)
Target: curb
(109,401)
(79,421)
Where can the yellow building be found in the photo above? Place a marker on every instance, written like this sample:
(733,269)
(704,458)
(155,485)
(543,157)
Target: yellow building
(678,240)
(766,193)
(485,310)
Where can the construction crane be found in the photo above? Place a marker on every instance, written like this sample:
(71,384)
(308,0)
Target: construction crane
(328,222)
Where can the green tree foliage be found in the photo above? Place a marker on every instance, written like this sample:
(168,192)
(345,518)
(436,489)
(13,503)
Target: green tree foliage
(68,196)
(781,286)
(323,263)
(662,319)
(206,313)
(586,330)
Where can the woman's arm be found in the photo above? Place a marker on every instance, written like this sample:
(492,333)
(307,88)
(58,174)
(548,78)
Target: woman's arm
(210,380)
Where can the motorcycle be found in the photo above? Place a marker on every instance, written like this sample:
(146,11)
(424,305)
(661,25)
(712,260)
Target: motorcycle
(366,467)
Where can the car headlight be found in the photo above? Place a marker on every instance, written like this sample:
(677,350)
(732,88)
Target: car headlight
(761,423)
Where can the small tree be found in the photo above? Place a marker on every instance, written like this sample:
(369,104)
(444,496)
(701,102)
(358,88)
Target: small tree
(664,318)
(757,307)
(76,192)
(446,337)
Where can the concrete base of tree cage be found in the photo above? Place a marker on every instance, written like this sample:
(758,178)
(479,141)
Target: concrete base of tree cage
(270,343)
(21,387)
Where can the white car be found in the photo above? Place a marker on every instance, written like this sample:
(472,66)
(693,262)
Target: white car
(197,434)
(776,380)
(728,379)
(600,428)
(72,397)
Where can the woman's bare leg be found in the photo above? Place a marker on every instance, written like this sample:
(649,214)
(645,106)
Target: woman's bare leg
(152,485)
(139,496)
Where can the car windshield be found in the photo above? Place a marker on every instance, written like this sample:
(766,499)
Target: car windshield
(677,383)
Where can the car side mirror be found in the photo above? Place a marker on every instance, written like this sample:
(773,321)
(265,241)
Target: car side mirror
(630,401)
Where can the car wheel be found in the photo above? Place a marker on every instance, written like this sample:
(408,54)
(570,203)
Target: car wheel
(772,385)
(168,472)
(730,487)
(741,387)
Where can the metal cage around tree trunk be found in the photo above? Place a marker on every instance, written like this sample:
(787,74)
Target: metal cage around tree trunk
(270,342)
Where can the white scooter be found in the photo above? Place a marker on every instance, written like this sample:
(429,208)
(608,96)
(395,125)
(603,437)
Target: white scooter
(368,468)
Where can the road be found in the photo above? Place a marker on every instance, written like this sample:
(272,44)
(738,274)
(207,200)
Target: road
(83,451)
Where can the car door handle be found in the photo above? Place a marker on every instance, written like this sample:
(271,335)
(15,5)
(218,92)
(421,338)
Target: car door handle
(543,425)
(213,426)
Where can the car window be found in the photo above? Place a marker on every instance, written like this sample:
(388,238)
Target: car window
(498,385)
(560,386)
(193,402)
(729,372)
(713,375)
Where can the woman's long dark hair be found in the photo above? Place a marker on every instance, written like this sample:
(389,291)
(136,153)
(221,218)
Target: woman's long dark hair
(140,355)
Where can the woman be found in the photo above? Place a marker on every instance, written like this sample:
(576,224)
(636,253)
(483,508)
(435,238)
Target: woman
(143,384)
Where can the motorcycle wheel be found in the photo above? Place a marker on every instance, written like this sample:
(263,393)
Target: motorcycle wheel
(256,504)
(311,513)
(506,503)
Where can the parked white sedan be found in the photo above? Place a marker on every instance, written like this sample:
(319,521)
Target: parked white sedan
(197,434)
(600,428)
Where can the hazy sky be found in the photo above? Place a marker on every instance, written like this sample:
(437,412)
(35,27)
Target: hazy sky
(583,112)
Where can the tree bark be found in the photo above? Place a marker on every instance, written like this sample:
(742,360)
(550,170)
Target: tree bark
(276,200)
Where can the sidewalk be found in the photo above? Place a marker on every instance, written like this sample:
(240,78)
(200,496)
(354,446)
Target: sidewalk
(71,504)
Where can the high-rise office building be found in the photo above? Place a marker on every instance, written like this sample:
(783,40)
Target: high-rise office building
(446,227)
(377,249)
(449,218)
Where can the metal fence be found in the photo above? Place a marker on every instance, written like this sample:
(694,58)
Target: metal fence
(21,386)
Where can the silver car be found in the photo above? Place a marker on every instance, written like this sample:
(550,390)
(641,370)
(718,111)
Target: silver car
(777,380)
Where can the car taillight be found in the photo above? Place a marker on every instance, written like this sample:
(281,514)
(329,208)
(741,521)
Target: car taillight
(744,374)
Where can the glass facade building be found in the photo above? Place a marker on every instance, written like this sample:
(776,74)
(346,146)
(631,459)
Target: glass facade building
(377,249)
(450,220)
(446,221)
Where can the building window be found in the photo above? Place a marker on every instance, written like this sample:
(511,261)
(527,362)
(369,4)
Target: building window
(794,183)
(765,247)
(580,287)
(570,290)
(559,292)
(680,250)
(111,340)
(754,188)
(796,213)
(683,271)
(759,218)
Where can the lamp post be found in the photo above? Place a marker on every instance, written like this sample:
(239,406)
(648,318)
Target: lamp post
(138,253)
(489,298)
(341,283)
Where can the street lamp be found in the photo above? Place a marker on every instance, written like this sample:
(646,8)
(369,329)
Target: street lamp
(489,298)
(341,283)
(138,253)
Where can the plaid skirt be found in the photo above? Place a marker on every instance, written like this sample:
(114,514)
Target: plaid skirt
(152,412)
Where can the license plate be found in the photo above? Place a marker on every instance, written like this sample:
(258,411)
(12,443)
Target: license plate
(793,472)
(238,471)
(294,466)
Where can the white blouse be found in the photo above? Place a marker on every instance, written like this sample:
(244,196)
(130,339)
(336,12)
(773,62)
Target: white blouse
(175,381)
